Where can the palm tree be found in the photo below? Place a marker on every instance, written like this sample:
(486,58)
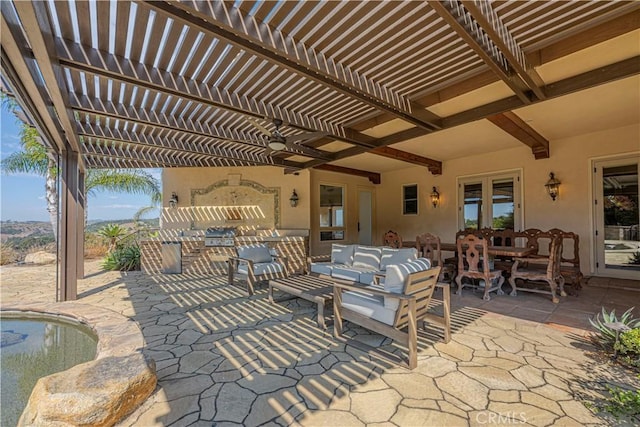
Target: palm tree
(34,158)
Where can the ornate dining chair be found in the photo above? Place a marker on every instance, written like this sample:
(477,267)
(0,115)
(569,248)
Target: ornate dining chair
(473,263)
(428,246)
(392,239)
(540,269)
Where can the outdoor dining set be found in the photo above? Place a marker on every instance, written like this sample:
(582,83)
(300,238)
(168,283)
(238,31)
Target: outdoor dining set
(388,289)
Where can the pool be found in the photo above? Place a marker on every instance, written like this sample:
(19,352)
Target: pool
(104,378)
(32,348)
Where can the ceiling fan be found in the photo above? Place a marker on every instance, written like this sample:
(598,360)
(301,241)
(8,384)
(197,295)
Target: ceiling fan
(278,142)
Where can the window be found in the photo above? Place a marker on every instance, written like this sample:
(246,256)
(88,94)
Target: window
(410,199)
(331,212)
(490,201)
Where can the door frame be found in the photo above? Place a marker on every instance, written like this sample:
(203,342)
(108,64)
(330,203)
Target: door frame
(596,205)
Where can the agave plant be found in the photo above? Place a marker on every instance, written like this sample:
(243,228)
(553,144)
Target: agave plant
(606,336)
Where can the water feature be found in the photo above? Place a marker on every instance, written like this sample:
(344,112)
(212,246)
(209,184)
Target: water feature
(32,348)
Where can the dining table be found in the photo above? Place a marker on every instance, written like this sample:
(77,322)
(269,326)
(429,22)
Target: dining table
(510,251)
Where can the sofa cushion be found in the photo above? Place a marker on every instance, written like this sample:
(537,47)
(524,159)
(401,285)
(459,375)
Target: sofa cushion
(368,305)
(397,274)
(255,253)
(367,256)
(322,268)
(352,273)
(392,256)
(342,254)
(261,268)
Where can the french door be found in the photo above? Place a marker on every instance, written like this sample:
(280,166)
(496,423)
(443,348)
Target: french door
(492,201)
(617,217)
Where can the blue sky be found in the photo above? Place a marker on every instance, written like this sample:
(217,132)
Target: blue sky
(22,196)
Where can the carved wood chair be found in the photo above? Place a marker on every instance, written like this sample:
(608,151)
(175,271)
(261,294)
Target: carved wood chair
(392,239)
(254,263)
(473,263)
(570,260)
(428,246)
(540,268)
(394,312)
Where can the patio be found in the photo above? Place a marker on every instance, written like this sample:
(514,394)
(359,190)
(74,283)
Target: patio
(227,359)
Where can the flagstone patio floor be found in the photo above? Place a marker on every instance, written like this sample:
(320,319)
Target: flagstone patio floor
(225,359)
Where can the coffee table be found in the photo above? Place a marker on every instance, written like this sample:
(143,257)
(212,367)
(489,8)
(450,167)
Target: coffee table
(318,289)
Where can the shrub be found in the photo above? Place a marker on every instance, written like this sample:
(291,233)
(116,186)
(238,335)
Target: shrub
(8,255)
(606,336)
(124,258)
(112,232)
(94,246)
(628,347)
(622,404)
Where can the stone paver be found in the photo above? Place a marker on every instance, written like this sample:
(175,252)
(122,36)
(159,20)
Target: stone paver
(225,359)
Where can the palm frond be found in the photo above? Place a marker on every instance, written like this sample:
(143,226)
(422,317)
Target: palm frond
(133,181)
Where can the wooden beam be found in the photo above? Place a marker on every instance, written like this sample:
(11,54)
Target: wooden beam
(227,23)
(372,176)
(455,16)
(34,15)
(516,127)
(619,70)
(434,166)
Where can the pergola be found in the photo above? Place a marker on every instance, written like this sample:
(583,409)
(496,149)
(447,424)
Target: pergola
(159,84)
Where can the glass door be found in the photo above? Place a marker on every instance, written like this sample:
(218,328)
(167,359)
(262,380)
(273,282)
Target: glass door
(491,201)
(617,218)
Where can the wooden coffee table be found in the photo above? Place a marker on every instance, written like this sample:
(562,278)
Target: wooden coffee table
(318,289)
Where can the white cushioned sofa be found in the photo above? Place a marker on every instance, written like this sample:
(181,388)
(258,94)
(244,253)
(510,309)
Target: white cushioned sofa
(359,263)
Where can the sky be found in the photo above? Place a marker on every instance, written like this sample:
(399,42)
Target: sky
(22,196)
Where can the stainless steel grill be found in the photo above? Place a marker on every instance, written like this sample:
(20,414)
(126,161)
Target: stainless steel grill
(219,236)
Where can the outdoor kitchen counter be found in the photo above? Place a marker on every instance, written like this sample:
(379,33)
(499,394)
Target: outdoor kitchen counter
(198,258)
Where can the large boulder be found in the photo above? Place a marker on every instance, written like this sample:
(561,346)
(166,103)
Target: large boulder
(96,393)
(40,257)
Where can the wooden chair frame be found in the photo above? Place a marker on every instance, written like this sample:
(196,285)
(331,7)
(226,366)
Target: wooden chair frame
(414,307)
(428,246)
(470,249)
(252,278)
(392,239)
(550,274)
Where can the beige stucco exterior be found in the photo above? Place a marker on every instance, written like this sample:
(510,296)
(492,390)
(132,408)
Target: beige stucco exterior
(570,160)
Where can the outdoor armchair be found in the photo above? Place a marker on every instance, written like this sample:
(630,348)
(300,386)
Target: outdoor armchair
(395,309)
(254,263)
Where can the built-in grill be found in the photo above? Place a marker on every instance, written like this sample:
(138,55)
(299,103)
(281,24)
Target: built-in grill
(219,236)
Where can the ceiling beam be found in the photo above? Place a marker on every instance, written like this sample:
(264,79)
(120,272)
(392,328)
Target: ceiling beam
(374,177)
(434,166)
(33,15)
(489,21)
(455,15)
(204,146)
(607,74)
(161,157)
(226,22)
(516,127)
(169,123)
(82,58)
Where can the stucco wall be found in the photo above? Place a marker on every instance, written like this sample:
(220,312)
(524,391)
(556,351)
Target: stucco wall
(569,160)
(183,181)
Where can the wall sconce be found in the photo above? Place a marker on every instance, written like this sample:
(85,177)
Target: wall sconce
(293,199)
(553,185)
(173,201)
(435,197)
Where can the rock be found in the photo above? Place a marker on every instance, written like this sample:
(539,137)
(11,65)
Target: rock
(40,257)
(96,393)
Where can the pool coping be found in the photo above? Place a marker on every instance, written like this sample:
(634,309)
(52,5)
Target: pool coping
(117,337)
